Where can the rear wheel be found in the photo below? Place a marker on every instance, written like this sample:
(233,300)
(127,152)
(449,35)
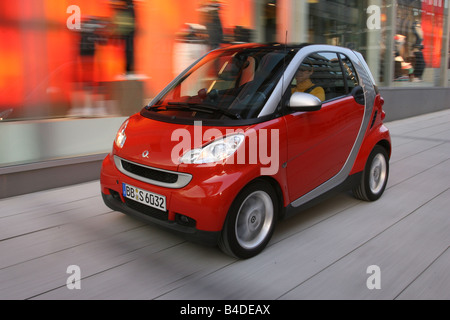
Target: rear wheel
(250,221)
(375,176)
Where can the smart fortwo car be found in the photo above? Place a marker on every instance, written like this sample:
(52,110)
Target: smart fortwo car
(246,136)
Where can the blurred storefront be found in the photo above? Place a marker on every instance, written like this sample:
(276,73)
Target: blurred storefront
(44,71)
(70,60)
(404,41)
(53,50)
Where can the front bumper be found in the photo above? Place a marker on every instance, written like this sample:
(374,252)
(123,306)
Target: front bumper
(177,226)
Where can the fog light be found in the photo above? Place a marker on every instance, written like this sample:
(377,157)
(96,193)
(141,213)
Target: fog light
(184,220)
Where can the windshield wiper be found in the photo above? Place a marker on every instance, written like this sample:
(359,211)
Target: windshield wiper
(195,107)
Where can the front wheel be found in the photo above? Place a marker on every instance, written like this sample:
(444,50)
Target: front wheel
(250,221)
(374,177)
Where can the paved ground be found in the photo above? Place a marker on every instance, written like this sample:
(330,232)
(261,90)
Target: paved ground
(326,252)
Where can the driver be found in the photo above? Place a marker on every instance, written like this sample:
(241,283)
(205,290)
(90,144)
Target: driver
(304,83)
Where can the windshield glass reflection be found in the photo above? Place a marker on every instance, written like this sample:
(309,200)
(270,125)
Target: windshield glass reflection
(231,83)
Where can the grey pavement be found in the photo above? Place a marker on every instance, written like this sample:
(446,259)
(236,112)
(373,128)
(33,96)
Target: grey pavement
(325,252)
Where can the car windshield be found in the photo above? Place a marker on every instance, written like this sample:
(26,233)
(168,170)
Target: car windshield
(232,83)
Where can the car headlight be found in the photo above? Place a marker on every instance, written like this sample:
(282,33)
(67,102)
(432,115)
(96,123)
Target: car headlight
(215,151)
(121,136)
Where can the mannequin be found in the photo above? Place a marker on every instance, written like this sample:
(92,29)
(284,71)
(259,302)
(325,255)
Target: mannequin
(417,50)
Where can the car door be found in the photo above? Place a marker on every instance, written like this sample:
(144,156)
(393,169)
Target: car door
(320,142)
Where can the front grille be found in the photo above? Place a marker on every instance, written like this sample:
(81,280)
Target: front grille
(148,211)
(150,173)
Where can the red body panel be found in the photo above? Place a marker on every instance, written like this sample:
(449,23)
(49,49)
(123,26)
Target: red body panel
(376,133)
(320,143)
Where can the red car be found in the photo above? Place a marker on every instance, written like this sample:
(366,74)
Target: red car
(246,136)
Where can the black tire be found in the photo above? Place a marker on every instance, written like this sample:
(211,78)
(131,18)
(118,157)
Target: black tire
(250,221)
(374,177)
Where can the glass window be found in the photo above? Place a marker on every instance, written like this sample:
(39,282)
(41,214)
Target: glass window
(401,40)
(321,75)
(358,25)
(417,42)
(232,83)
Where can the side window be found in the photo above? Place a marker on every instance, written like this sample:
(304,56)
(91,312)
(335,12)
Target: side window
(320,74)
(349,72)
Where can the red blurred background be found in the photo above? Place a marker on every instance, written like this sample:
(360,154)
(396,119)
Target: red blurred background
(39,54)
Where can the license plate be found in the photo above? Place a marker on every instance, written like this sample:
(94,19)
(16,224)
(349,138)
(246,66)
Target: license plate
(145,197)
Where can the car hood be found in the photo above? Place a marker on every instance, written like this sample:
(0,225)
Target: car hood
(160,144)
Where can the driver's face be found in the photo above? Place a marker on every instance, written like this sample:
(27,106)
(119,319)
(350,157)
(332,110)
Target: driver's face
(303,74)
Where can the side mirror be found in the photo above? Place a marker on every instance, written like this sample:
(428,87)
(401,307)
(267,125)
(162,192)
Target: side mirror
(301,101)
